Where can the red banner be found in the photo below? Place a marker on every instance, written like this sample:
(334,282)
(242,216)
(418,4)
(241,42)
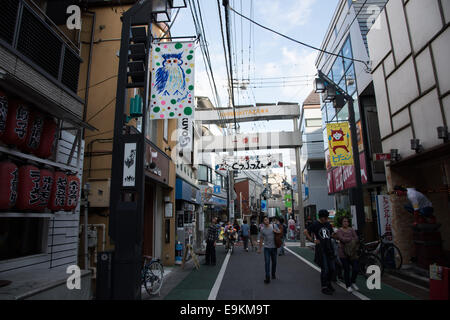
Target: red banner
(338,181)
(348,176)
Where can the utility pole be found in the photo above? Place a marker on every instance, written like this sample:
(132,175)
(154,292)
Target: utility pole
(322,84)
(301,214)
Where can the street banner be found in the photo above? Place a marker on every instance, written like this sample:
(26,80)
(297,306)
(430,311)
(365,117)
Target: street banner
(185,135)
(339,144)
(257,162)
(129,165)
(263,205)
(384,212)
(172,87)
(288,200)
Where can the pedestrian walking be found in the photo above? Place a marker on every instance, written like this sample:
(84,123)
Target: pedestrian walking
(279,222)
(291,226)
(245,232)
(267,236)
(348,248)
(254,235)
(324,252)
(211,238)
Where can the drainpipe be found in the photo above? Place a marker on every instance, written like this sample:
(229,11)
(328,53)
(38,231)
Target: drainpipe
(86,212)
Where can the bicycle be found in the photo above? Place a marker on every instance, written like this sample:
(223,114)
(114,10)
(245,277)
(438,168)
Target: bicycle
(367,259)
(389,253)
(230,239)
(152,275)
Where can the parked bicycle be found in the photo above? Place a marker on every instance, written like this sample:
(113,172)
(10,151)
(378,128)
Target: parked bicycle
(367,259)
(389,253)
(152,275)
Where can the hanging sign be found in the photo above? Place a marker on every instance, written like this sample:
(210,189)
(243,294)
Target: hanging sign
(185,135)
(250,162)
(172,87)
(384,210)
(339,144)
(129,165)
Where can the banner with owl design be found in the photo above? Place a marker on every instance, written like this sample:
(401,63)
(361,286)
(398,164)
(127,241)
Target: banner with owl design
(172,85)
(339,144)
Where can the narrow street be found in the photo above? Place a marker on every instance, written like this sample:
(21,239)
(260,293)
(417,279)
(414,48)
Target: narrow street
(241,277)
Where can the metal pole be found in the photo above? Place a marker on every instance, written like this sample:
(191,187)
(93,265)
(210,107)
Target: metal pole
(301,215)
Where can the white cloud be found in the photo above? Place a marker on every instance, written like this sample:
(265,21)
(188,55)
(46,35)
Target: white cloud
(286,14)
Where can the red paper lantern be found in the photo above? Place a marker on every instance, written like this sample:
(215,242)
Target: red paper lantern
(3,112)
(59,191)
(48,136)
(9,174)
(17,123)
(73,192)
(33,138)
(46,187)
(29,196)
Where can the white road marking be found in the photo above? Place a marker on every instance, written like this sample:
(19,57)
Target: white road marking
(215,288)
(355,293)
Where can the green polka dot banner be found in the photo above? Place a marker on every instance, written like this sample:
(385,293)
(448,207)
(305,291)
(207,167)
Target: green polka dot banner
(172,83)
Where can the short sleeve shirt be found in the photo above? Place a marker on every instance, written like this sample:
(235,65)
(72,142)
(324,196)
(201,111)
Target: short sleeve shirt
(268,236)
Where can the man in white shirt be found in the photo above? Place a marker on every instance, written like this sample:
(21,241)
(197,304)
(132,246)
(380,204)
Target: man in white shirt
(419,205)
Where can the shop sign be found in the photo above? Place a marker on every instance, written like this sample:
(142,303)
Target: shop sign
(330,182)
(156,164)
(257,162)
(337,178)
(384,211)
(381,157)
(339,144)
(184,132)
(129,165)
(263,205)
(359,136)
(172,88)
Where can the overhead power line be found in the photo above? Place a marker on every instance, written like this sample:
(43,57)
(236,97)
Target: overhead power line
(366,64)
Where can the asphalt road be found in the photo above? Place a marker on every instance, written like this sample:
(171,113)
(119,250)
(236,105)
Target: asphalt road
(244,280)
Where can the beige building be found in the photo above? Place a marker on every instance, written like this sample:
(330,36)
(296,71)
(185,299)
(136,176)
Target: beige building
(409,47)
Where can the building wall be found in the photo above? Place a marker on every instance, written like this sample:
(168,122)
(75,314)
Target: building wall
(410,50)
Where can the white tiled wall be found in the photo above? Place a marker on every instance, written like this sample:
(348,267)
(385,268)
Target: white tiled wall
(399,31)
(378,40)
(402,86)
(425,70)
(441,53)
(382,102)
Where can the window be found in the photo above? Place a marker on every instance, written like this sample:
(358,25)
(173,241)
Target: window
(314,122)
(343,113)
(338,70)
(331,112)
(202,173)
(151,130)
(347,52)
(20,237)
(350,80)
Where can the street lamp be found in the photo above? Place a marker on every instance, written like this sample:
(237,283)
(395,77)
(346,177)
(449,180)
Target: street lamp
(333,93)
(175,4)
(161,11)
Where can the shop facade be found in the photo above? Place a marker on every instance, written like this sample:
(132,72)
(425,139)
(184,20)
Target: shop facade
(189,215)
(41,157)
(412,85)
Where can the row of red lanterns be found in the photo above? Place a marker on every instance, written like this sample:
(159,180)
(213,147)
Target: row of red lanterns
(27,129)
(28,188)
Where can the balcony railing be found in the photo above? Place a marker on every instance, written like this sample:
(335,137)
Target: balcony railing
(27,34)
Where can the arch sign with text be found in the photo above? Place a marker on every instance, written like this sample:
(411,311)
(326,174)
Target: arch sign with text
(257,162)
(339,144)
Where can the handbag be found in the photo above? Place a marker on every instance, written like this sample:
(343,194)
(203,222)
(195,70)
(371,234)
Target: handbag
(278,237)
(351,249)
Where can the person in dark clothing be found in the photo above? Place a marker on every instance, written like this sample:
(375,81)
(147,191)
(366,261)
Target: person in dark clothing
(324,251)
(254,236)
(211,238)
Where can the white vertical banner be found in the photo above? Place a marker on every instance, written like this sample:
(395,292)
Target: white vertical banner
(185,132)
(354,217)
(129,165)
(384,213)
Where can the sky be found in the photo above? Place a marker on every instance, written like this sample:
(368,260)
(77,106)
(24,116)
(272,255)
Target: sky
(262,58)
